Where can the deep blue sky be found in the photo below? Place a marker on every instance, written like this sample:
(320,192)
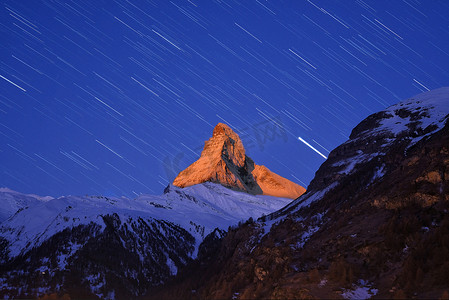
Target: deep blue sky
(117,97)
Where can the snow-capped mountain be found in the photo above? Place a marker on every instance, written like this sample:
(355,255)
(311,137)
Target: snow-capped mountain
(11,201)
(223,160)
(373,222)
(375,141)
(153,236)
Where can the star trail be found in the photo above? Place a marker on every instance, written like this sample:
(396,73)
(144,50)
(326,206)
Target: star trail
(117,97)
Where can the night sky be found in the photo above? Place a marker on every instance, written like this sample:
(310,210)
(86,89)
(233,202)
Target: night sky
(117,97)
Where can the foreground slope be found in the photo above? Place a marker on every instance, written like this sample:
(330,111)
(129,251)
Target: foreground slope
(373,223)
(115,247)
(223,160)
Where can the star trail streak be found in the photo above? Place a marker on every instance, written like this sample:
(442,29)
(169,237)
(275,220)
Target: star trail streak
(16,85)
(311,147)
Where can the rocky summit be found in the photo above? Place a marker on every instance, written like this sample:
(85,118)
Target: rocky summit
(224,161)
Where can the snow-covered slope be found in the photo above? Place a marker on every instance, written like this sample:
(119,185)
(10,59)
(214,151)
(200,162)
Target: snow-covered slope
(11,201)
(152,235)
(199,209)
(415,118)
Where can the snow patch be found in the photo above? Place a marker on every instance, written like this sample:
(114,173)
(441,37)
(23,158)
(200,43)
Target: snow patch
(308,199)
(310,230)
(63,257)
(306,236)
(350,163)
(323,282)
(378,173)
(362,290)
(96,283)
(172,266)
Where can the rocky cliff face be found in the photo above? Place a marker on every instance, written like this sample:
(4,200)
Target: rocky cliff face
(223,160)
(373,223)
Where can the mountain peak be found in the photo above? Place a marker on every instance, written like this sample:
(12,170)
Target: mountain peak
(222,128)
(224,161)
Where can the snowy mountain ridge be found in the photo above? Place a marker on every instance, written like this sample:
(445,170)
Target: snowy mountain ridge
(405,123)
(11,201)
(413,119)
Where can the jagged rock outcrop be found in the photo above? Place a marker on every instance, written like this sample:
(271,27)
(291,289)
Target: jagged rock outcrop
(373,223)
(223,160)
